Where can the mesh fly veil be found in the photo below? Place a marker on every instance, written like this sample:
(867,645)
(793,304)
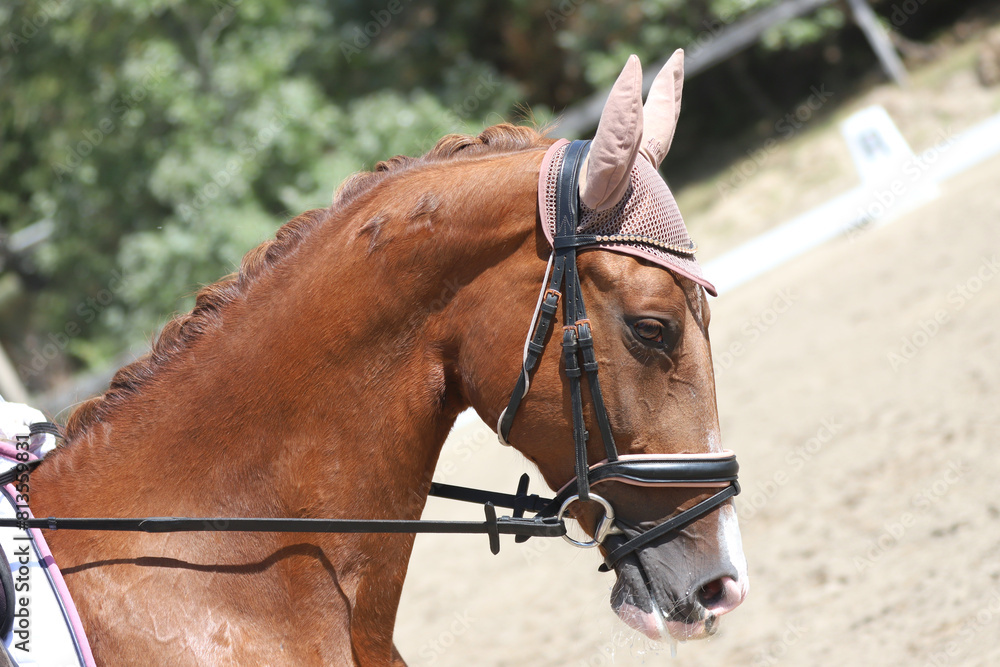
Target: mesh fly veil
(646,223)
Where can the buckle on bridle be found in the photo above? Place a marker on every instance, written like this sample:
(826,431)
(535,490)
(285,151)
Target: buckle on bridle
(575,327)
(606,525)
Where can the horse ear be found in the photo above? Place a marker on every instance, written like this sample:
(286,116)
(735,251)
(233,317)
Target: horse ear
(663,107)
(605,175)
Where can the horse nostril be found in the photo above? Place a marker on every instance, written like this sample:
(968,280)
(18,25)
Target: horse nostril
(711,593)
(721,596)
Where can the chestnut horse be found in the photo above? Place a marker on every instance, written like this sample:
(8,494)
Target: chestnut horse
(321,381)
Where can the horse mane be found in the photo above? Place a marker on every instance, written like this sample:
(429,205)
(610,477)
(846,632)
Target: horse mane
(211,301)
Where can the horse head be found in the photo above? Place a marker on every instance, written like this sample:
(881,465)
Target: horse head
(647,314)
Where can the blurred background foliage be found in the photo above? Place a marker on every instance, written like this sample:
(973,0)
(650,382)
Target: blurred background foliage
(159,140)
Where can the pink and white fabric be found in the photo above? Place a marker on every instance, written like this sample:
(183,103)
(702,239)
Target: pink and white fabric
(47,629)
(646,222)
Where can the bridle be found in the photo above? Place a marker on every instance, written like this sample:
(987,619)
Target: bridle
(561,282)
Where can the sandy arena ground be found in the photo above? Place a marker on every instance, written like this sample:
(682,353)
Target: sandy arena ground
(870,512)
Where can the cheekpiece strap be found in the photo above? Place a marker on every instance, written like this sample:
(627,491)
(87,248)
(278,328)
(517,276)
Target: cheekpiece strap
(567,219)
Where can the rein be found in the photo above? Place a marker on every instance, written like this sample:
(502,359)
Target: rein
(563,283)
(493,526)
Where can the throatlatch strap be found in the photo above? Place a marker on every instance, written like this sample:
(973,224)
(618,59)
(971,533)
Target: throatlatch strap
(548,306)
(535,348)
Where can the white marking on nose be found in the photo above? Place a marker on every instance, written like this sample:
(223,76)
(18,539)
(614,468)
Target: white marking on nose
(731,545)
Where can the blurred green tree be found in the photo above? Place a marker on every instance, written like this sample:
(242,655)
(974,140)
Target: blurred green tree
(162,139)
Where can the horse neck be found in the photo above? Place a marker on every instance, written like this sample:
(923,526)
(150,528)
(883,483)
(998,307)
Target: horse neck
(323,391)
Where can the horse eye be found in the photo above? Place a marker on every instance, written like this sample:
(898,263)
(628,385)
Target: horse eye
(650,330)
